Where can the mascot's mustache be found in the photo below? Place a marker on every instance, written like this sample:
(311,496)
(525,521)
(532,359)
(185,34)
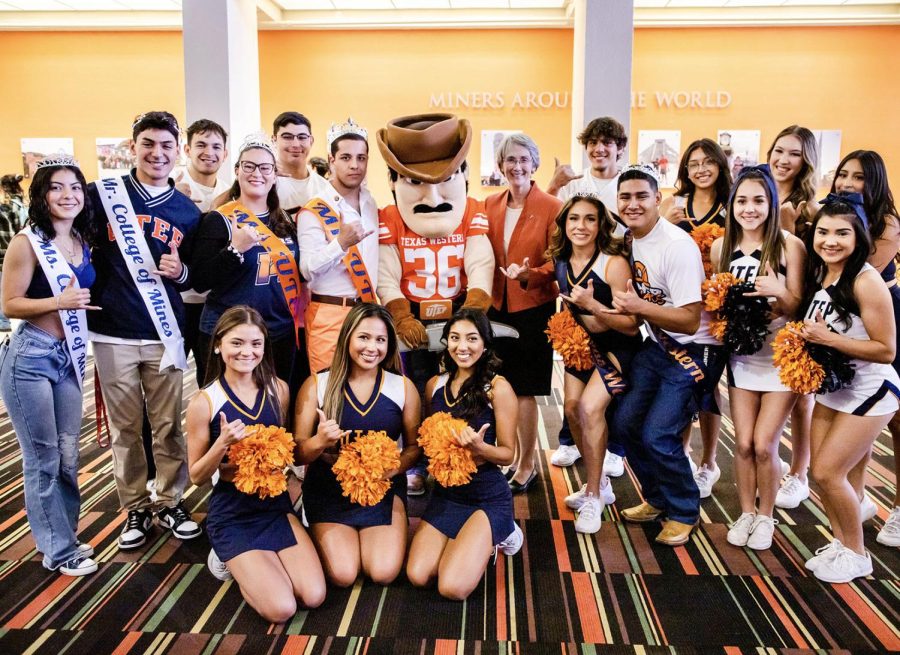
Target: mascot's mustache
(443,208)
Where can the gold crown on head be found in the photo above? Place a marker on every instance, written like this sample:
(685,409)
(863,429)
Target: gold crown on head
(337,130)
(258,140)
(59,159)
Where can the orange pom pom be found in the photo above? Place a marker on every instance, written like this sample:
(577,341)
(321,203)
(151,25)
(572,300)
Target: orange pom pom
(362,465)
(715,289)
(796,369)
(260,458)
(450,464)
(570,340)
(704,236)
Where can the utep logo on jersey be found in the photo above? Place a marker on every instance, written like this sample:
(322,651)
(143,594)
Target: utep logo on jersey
(824,306)
(642,285)
(162,231)
(745,272)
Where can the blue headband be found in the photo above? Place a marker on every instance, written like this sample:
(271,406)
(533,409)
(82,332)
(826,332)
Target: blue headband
(855,200)
(767,180)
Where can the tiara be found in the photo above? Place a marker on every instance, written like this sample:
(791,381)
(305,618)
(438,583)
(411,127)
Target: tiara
(337,130)
(586,194)
(258,140)
(59,159)
(646,169)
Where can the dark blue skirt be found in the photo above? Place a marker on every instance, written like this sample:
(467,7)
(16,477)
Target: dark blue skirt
(324,500)
(239,522)
(450,507)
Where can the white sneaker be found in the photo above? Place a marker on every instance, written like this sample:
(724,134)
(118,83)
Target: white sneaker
(867,508)
(576,500)
(513,543)
(739,531)
(761,532)
(693,465)
(823,555)
(590,516)
(565,456)
(889,535)
(844,567)
(792,492)
(613,465)
(85,550)
(78,566)
(217,567)
(785,467)
(607,495)
(706,478)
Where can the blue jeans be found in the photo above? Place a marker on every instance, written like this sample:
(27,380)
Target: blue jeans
(650,420)
(43,399)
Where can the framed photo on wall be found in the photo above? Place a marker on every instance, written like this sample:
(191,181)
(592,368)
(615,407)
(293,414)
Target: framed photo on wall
(741,147)
(113,156)
(660,149)
(36,149)
(829,144)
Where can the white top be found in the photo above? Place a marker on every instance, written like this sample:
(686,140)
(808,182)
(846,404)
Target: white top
(606,189)
(509,224)
(294,194)
(392,387)
(321,258)
(201,194)
(668,271)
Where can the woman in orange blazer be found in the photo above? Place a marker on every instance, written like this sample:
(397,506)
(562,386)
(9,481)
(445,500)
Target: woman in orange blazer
(521,221)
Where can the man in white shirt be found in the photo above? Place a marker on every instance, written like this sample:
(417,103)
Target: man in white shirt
(338,243)
(297,182)
(604,140)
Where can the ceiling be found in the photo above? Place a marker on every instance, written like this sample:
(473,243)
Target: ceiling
(392,14)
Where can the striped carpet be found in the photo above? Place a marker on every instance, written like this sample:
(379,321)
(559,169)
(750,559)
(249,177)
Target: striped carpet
(564,593)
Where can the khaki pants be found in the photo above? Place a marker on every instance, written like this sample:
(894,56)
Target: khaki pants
(129,376)
(323,325)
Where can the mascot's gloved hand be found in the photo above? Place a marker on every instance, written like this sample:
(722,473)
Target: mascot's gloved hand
(409,328)
(477,299)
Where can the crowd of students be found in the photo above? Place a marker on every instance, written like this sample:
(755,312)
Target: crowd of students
(155,265)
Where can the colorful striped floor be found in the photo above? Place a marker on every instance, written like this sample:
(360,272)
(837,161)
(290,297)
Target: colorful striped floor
(564,593)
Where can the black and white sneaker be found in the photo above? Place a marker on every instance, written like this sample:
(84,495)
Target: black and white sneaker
(137,527)
(85,550)
(179,522)
(78,566)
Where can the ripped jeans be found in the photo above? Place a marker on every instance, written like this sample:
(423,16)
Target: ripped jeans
(43,399)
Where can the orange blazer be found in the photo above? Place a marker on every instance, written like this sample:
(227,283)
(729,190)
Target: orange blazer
(529,239)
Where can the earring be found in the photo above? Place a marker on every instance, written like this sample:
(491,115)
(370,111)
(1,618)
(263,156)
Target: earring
(216,351)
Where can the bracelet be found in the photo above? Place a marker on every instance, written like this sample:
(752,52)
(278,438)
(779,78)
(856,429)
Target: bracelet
(57,301)
(234,251)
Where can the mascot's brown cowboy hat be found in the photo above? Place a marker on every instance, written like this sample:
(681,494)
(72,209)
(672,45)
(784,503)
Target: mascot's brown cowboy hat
(425,147)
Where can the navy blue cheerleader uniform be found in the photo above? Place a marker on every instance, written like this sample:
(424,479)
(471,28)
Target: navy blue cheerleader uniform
(615,349)
(715,215)
(239,522)
(450,507)
(323,499)
(889,275)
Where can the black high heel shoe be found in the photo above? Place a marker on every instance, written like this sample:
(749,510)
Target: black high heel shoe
(510,472)
(522,487)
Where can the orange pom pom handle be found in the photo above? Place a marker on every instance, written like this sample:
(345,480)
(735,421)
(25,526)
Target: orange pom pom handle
(796,369)
(260,458)
(450,464)
(704,236)
(362,465)
(570,340)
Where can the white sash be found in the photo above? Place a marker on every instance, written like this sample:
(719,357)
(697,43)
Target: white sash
(74,321)
(139,259)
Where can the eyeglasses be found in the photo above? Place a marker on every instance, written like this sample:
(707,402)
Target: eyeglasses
(697,165)
(521,161)
(248,167)
(290,138)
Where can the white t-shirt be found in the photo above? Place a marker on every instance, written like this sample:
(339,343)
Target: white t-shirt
(668,271)
(509,225)
(294,194)
(201,194)
(605,189)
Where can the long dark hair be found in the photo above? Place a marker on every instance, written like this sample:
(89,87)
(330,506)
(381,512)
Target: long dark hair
(560,247)
(772,249)
(281,224)
(685,187)
(877,197)
(263,375)
(39,210)
(842,291)
(474,395)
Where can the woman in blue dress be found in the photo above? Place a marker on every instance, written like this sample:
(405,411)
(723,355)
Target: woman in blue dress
(462,525)
(363,390)
(261,541)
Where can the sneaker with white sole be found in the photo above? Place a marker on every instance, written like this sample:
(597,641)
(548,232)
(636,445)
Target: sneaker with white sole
(217,567)
(565,456)
(693,465)
(78,566)
(613,465)
(137,527)
(845,566)
(706,478)
(792,492)
(739,531)
(607,495)
(761,532)
(889,535)
(867,508)
(513,543)
(590,515)
(785,467)
(823,555)
(85,550)
(179,522)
